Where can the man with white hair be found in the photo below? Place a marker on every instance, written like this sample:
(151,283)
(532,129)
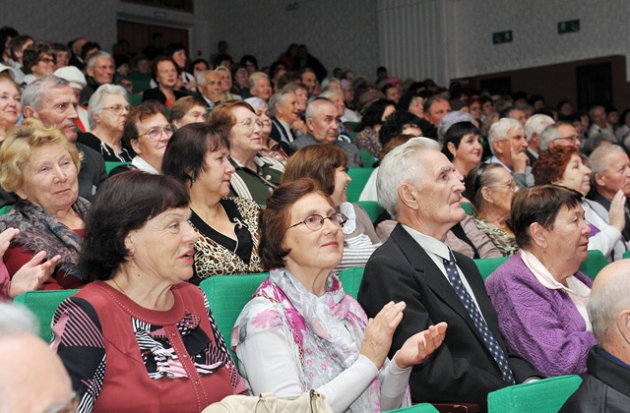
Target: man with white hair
(419,188)
(284,109)
(509,146)
(322,121)
(77,83)
(209,88)
(51,100)
(534,127)
(610,174)
(605,386)
(100,70)
(33,379)
(559,134)
(599,123)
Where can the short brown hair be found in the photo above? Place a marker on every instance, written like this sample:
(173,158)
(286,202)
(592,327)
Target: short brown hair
(539,204)
(551,164)
(274,219)
(138,114)
(33,54)
(157,61)
(183,105)
(317,162)
(15,151)
(221,116)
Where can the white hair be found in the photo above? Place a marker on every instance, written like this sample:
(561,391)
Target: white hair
(608,300)
(598,161)
(15,320)
(328,81)
(400,165)
(313,108)
(499,130)
(536,124)
(95,105)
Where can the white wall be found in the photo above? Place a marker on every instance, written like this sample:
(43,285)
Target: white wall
(603,32)
(338,33)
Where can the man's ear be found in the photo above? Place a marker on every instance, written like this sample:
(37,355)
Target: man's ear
(600,179)
(30,112)
(309,124)
(408,195)
(496,145)
(90,71)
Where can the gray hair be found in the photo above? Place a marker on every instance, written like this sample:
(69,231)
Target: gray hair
(400,166)
(329,81)
(608,300)
(329,93)
(591,110)
(276,98)
(313,108)
(499,130)
(201,77)
(95,105)
(551,133)
(253,78)
(33,94)
(450,119)
(598,161)
(100,53)
(536,124)
(15,319)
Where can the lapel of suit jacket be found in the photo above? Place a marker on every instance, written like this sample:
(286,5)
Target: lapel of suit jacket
(434,278)
(281,130)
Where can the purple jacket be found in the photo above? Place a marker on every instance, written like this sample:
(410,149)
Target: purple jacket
(539,324)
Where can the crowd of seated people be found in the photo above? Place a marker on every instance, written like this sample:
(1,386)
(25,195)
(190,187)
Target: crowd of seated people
(132,177)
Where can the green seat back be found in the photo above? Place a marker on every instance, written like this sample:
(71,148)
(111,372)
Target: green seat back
(111,165)
(351,280)
(594,264)
(134,100)
(368,159)
(544,396)
(487,266)
(372,208)
(352,135)
(351,126)
(227,295)
(140,81)
(43,304)
(418,408)
(6,209)
(625,254)
(467,206)
(359,178)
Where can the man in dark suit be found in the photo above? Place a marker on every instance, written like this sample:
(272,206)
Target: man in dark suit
(285,110)
(418,186)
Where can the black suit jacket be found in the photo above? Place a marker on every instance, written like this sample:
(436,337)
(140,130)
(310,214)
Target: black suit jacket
(92,173)
(279,134)
(462,369)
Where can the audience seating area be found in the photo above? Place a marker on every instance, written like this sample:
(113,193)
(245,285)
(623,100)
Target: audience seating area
(544,396)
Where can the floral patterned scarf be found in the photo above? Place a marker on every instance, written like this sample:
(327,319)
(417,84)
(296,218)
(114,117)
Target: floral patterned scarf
(312,322)
(40,231)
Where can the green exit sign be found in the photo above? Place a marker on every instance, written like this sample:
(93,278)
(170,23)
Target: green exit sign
(502,37)
(569,26)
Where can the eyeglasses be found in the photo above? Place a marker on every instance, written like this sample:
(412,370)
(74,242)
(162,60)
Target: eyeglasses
(156,133)
(250,123)
(48,60)
(510,185)
(315,222)
(571,138)
(70,407)
(117,109)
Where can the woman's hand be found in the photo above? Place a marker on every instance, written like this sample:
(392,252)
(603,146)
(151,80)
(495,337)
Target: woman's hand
(33,274)
(379,331)
(616,213)
(419,347)
(190,85)
(299,125)
(5,239)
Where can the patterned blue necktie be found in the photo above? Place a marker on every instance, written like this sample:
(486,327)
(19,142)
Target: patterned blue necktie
(480,323)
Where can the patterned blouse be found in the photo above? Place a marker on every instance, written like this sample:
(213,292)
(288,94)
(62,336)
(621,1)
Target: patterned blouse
(505,242)
(368,139)
(216,254)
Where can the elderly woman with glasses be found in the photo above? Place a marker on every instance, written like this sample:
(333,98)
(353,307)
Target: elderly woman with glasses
(301,331)
(147,131)
(490,187)
(107,111)
(256,175)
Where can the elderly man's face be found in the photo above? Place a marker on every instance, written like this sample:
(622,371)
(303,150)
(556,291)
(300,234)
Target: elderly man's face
(212,88)
(599,117)
(440,190)
(519,115)
(103,70)
(567,136)
(516,142)
(325,125)
(616,177)
(437,111)
(309,79)
(59,109)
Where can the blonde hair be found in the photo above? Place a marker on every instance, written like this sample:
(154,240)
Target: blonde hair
(15,151)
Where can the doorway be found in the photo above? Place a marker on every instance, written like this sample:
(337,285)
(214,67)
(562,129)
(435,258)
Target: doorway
(139,35)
